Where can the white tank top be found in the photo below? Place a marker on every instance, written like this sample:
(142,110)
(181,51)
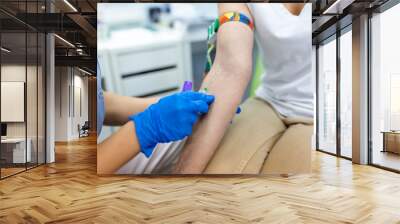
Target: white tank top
(284,41)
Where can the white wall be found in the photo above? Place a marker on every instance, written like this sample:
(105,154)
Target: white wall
(33,126)
(61,103)
(81,84)
(70,83)
(12,73)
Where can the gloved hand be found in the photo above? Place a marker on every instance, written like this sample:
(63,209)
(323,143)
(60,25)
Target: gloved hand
(171,119)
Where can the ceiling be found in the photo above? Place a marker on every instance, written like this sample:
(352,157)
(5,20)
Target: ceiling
(76,22)
(329,16)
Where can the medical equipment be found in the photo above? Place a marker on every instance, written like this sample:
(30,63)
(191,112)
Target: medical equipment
(187,86)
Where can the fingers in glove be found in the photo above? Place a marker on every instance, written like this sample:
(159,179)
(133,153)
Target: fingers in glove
(199,96)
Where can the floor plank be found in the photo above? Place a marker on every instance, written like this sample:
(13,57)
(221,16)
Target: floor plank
(69,191)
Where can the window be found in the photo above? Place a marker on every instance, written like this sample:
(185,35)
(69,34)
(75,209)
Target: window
(329,112)
(346,93)
(327,96)
(14,153)
(394,102)
(22,76)
(385,89)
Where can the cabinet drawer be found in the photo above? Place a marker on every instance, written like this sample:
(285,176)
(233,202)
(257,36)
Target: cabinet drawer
(151,83)
(141,61)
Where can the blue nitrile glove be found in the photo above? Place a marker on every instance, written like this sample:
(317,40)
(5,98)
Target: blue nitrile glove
(171,119)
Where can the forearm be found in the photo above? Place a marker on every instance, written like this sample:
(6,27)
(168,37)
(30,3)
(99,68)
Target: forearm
(118,108)
(210,130)
(227,80)
(117,149)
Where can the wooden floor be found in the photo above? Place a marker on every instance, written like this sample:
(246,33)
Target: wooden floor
(387,159)
(5,172)
(69,191)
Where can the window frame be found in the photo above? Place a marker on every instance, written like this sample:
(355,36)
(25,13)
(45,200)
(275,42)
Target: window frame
(334,37)
(27,29)
(371,14)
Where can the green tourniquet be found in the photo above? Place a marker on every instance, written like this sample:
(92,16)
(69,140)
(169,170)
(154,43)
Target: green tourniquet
(213,29)
(258,71)
(216,25)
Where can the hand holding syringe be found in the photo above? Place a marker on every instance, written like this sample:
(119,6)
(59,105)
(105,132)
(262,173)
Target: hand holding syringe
(188,86)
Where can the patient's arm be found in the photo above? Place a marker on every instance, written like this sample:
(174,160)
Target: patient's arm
(227,80)
(118,108)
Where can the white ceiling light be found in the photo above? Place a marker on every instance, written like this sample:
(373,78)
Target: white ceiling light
(5,50)
(337,7)
(79,51)
(86,72)
(70,5)
(65,41)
